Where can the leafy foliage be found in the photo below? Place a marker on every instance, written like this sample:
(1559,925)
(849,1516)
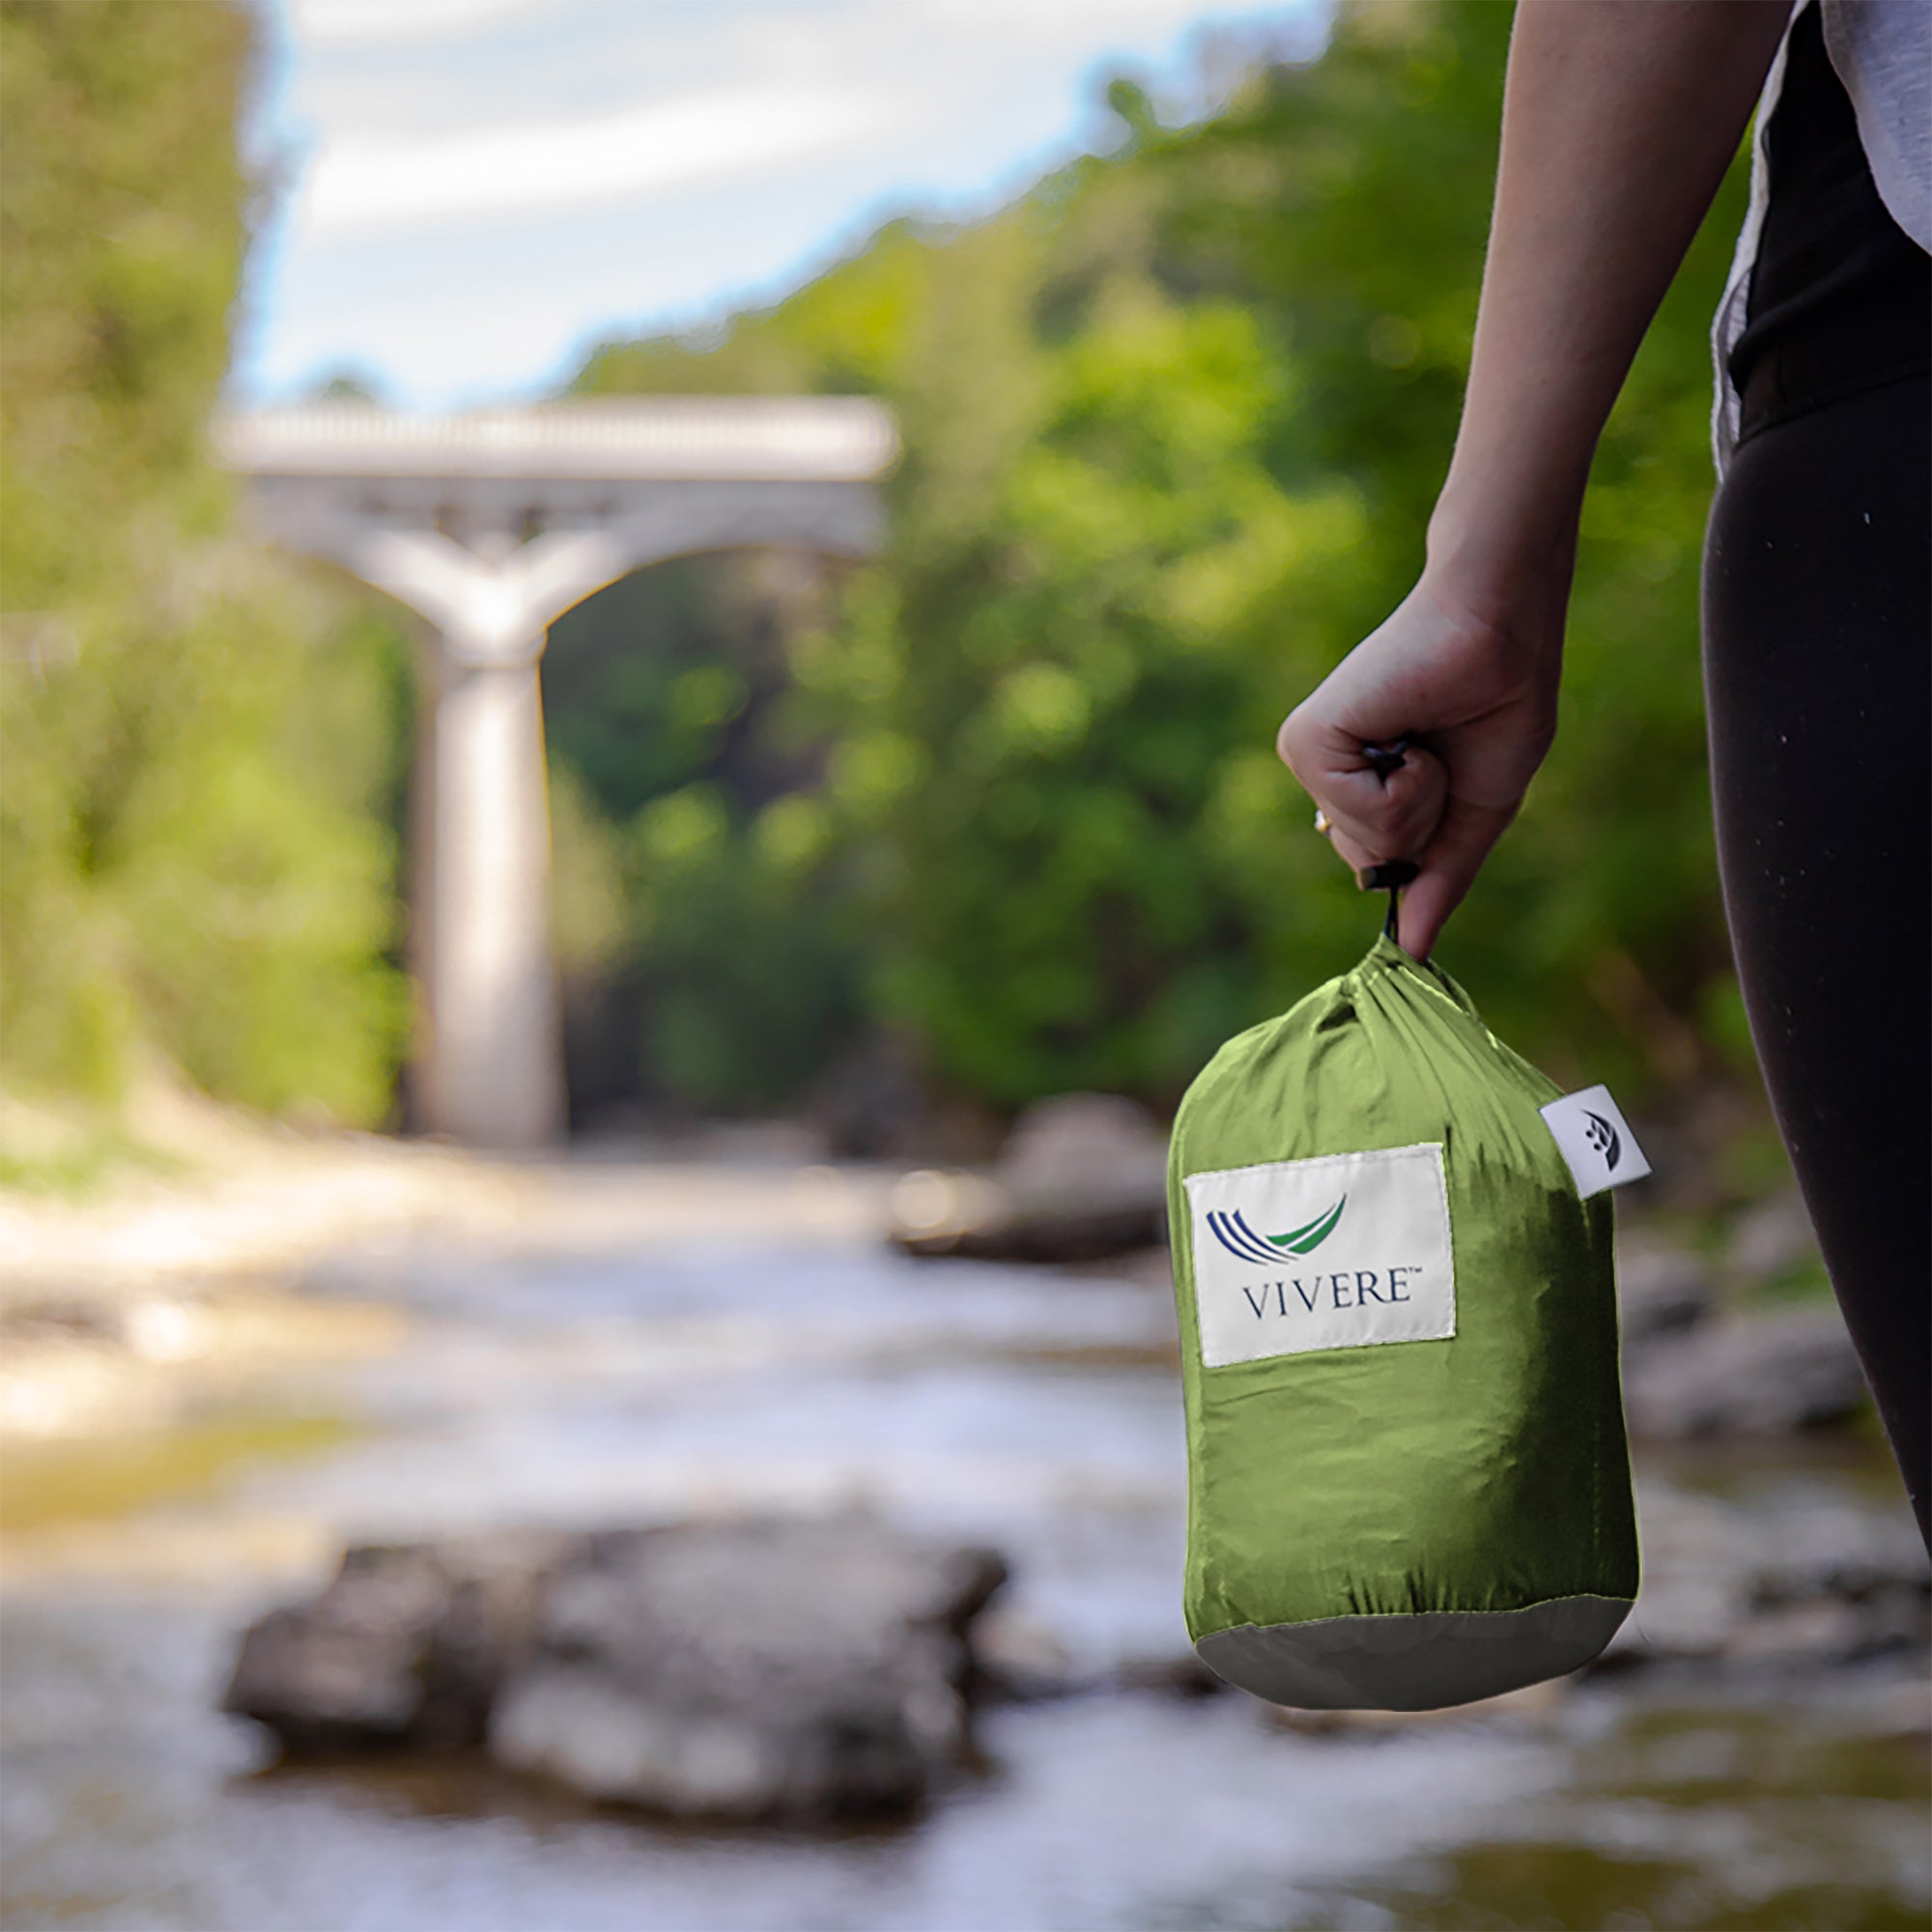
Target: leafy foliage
(1173,425)
(724,973)
(1006,795)
(199,744)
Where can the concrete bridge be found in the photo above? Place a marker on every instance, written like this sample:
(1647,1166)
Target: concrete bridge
(490,525)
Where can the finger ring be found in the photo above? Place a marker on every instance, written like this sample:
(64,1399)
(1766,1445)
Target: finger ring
(1323,824)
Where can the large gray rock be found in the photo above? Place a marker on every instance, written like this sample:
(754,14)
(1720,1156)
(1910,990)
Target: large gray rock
(1082,1177)
(795,1670)
(1094,1144)
(1761,1374)
(1791,1579)
(791,1671)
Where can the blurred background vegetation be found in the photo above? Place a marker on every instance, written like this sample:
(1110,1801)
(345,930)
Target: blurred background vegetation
(199,742)
(994,815)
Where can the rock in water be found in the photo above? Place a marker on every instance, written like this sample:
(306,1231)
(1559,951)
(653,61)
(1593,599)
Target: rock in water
(1773,1238)
(1661,1292)
(405,1646)
(1089,1144)
(785,1671)
(1759,1375)
(1082,1177)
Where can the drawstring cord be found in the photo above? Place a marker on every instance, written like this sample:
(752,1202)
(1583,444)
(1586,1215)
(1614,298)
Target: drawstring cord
(1390,877)
(1392,874)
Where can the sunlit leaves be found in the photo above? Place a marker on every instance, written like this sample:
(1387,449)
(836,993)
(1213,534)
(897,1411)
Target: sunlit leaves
(199,744)
(1174,423)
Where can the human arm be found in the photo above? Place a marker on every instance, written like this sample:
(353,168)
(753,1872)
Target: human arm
(1619,120)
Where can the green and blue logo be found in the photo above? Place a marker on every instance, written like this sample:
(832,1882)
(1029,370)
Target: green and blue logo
(1232,1232)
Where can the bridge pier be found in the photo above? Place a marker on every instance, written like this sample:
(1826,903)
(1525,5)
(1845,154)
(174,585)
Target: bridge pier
(488,1063)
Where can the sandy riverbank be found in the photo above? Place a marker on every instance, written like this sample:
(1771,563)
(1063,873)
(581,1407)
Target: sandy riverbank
(212,1193)
(122,1299)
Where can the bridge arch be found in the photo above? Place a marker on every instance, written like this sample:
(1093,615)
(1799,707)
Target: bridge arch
(490,525)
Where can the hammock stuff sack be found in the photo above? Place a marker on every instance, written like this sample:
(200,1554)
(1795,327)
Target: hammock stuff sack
(1408,1483)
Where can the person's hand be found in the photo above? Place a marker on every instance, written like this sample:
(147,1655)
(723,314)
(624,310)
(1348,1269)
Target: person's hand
(1476,696)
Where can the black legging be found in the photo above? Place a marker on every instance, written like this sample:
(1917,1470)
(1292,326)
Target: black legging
(1818,676)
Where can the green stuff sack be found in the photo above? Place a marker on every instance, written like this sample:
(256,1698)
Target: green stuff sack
(1408,1483)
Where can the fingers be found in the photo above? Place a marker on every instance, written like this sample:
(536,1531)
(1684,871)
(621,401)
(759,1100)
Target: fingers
(1393,818)
(1353,854)
(1481,704)
(1449,867)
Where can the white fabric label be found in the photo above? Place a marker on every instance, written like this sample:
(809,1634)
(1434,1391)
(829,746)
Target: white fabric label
(1330,1253)
(1596,1141)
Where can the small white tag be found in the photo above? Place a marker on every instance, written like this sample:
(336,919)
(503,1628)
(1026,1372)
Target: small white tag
(1334,1252)
(1596,1141)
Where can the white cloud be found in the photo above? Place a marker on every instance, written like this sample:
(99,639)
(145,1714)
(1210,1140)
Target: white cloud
(373,183)
(495,181)
(354,22)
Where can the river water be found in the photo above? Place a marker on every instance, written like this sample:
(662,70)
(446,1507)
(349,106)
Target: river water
(728,1363)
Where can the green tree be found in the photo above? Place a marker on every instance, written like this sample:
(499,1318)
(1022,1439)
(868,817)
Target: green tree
(197,742)
(1173,425)
(725,971)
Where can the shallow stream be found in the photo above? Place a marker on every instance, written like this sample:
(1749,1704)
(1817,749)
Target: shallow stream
(1034,1410)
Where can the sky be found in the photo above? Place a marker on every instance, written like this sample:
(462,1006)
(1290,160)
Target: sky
(465,194)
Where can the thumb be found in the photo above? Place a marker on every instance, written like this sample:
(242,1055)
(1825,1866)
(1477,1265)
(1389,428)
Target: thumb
(1449,867)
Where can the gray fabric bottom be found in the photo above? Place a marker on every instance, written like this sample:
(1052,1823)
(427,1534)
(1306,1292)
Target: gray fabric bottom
(1418,1662)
